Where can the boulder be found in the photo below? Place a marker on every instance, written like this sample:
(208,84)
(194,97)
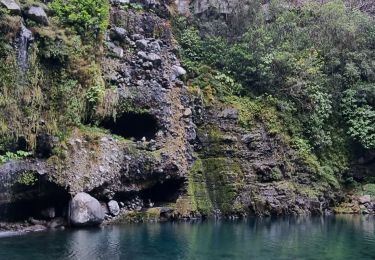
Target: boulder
(187,112)
(37,14)
(114,208)
(136,37)
(12,6)
(177,72)
(152,57)
(118,33)
(364,199)
(85,210)
(142,44)
(155,46)
(166,213)
(117,51)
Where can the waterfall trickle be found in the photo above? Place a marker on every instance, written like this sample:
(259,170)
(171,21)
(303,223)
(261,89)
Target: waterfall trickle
(23,40)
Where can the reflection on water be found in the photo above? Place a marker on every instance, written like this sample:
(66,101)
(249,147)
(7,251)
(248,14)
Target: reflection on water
(341,237)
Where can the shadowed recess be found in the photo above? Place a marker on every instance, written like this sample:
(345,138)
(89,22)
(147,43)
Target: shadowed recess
(132,125)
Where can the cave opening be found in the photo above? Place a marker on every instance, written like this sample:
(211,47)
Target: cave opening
(159,193)
(167,191)
(132,125)
(34,200)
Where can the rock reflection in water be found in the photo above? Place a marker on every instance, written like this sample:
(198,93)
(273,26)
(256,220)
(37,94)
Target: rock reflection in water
(341,237)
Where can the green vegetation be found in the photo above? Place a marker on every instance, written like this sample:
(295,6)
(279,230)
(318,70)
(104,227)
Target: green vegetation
(214,184)
(133,6)
(306,72)
(369,189)
(27,178)
(8,156)
(86,17)
(358,109)
(63,86)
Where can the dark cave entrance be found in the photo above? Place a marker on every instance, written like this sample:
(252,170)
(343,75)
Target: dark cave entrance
(32,200)
(159,193)
(132,125)
(167,191)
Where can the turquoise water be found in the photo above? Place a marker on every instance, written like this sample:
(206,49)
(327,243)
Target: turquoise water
(342,237)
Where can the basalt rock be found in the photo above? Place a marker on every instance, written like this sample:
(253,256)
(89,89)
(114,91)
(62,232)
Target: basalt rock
(122,169)
(85,210)
(12,6)
(113,207)
(239,171)
(209,164)
(37,14)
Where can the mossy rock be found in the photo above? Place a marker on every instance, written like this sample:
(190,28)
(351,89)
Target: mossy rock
(185,207)
(347,208)
(214,183)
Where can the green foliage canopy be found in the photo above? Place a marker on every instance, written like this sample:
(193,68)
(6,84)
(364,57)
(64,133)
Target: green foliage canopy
(85,16)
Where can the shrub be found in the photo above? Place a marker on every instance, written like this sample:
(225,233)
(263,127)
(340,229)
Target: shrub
(359,111)
(85,16)
(27,178)
(8,156)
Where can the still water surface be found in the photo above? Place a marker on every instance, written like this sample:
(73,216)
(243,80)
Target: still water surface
(341,237)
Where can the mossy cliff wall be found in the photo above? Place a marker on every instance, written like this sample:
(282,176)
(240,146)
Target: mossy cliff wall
(252,169)
(67,109)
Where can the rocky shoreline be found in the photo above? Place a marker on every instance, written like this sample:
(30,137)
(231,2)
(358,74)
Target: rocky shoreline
(86,211)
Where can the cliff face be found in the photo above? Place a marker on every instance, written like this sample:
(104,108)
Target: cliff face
(251,171)
(230,6)
(151,153)
(163,142)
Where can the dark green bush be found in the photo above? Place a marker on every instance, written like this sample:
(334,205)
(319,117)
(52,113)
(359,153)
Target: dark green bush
(85,16)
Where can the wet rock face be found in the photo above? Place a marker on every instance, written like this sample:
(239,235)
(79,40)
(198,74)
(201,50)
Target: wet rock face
(85,211)
(248,171)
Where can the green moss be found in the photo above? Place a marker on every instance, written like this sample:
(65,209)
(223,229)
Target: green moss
(198,190)
(132,6)
(93,133)
(212,138)
(194,91)
(276,173)
(347,208)
(151,214)
(131,217)
(309,192)
(214,184)
(127,106)
(262,108)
